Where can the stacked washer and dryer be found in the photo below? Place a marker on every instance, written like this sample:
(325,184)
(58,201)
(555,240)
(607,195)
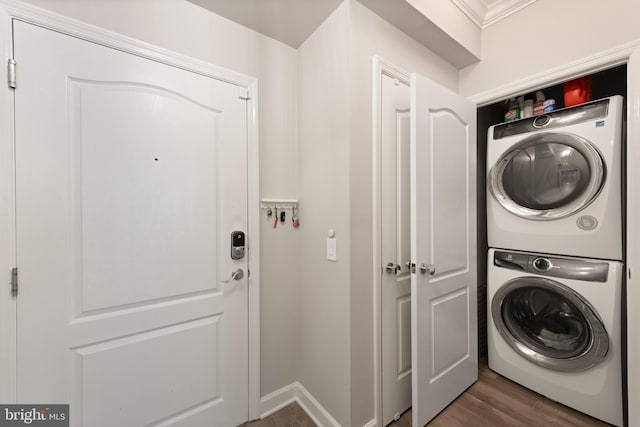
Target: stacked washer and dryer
(555,260)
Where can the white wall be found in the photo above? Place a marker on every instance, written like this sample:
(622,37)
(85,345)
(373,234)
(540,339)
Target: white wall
(188,29)
(546,35)
(323,121)
(452,21)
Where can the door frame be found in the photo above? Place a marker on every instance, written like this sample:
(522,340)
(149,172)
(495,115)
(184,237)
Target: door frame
(628,54)
(247,86)
(380,68)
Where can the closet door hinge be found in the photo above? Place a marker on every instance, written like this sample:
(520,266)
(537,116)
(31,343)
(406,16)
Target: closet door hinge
(14,281)
(11,73)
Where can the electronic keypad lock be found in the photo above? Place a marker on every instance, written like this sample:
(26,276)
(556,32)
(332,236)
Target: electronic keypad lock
(237,245)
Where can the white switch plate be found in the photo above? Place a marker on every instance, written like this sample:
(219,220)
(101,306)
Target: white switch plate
(331,249)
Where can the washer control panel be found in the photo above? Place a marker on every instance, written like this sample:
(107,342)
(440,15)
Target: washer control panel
(542,264)
(561,267)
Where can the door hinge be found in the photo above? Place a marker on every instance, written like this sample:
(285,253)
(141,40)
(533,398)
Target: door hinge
(14,281)
(11,73)
(243,93)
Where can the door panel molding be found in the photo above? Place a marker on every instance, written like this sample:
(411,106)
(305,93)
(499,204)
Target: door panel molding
(10,10)
(450,335)
(442,204)
(403,318)
(403,231)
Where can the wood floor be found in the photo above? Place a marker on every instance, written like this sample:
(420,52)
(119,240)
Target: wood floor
(496,401)
(491,401)
(289,416)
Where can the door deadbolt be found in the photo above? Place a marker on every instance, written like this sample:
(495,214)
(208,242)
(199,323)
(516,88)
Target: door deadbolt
(237,245)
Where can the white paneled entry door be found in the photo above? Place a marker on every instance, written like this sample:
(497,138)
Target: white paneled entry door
(130,177)
(443,247)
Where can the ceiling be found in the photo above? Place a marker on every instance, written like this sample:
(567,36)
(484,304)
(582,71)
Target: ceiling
(289,21)
(292,21)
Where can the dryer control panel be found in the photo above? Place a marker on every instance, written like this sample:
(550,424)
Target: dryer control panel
(564,117)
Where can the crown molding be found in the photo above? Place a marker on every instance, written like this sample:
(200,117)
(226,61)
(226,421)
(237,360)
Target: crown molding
(476,10)
(485,15)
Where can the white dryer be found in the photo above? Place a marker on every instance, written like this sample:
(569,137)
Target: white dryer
(554,182)
(554,326)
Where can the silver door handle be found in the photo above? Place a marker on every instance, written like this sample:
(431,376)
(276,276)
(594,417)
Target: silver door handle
(392,268)
(237,274)
(427,268)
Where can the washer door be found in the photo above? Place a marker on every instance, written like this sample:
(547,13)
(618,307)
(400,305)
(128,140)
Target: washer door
(549,324)
(548,176)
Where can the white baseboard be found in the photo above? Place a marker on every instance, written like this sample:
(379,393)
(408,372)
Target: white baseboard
(371,423)
(295,392)
(278,399)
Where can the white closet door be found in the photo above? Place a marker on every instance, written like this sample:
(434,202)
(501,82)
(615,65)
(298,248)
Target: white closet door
(443,247)
(396,249)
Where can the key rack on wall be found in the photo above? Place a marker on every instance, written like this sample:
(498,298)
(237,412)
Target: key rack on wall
(278,208)
(279,204)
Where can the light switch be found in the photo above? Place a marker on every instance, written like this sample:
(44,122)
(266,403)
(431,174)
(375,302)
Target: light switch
(331,249)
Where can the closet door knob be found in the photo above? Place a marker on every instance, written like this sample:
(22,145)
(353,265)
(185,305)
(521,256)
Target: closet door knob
(427,268)
(392,268)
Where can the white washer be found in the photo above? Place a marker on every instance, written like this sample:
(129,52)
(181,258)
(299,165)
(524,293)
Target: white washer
(554,182)
(554,326)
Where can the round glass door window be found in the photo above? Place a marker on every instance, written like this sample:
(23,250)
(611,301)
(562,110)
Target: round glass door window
(548,176)
(549,324)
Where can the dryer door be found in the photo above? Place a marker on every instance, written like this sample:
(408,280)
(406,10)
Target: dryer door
(547,176)
(549,324)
